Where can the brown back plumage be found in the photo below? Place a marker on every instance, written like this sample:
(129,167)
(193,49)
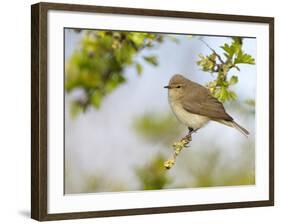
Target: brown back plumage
(198,100)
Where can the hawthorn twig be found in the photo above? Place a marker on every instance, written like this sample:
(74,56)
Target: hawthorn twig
(178,146)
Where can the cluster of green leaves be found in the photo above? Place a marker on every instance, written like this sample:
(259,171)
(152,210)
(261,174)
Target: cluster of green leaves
(233,55)
(97,66)
(153,175)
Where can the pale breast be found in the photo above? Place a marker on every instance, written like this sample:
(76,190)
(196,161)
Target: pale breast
(191,120)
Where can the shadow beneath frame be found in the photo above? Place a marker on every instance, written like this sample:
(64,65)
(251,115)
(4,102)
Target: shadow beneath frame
(24,213)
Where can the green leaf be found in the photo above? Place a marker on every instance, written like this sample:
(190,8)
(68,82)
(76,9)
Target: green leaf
(139,68)
(216,94)
(75,109)
(223,94)
(113,82)
(243,58)
(137,38)
(233,49)
(229,51)
(236,45)
(212,57)
(237,40)
(207,63)
(232,95)
(96,99)
(151,59)
(233,80)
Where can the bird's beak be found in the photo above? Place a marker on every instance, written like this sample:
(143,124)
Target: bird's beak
(168,87)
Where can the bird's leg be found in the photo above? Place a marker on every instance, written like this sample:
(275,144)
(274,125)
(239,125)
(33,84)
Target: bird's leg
(188,137)
(191,131)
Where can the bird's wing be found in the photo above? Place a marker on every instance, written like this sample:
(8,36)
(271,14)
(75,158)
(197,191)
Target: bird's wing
(201,102)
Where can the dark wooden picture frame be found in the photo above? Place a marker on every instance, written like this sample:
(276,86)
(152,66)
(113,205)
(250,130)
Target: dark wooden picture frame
(39,108)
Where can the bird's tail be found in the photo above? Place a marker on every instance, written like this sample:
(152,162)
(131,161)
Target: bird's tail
(236,126)
(240,128)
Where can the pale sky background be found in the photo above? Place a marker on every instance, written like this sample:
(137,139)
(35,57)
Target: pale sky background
(103,141)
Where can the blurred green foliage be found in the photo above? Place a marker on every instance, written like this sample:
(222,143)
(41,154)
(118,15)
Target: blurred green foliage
(158,127)
(207,166)
(102,183)
(97,66)
(153,176)
(251,102)
(215,63)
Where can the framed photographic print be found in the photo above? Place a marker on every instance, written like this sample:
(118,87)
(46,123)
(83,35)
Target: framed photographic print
(139,111)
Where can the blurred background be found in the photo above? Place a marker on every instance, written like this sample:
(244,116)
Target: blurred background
(119,128)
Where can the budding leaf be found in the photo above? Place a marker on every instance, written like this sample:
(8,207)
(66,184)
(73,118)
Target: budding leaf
(96,99)
(243,58)
(151,59)
(233,80)
(232,95)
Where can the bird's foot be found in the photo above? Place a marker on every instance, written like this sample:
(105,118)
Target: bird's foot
(188,137)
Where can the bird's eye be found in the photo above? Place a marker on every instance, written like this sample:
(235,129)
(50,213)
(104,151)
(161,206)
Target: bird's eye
(178,86)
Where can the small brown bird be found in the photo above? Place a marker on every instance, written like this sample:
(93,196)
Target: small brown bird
(194,106)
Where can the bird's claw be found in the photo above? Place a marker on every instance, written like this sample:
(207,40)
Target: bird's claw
(187,138)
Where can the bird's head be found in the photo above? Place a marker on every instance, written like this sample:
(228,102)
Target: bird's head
(176,86)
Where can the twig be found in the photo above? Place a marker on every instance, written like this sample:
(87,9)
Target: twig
(178,146)
(219,57)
